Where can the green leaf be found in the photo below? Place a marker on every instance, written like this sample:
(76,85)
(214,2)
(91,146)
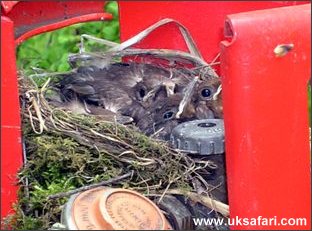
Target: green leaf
(112,7)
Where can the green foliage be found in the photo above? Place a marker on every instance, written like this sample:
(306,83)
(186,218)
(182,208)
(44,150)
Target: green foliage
(55,163)
(49,51)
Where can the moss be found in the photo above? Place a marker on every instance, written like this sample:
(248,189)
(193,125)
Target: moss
(57,162)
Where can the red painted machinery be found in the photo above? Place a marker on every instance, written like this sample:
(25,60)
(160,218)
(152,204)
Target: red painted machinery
(265,67)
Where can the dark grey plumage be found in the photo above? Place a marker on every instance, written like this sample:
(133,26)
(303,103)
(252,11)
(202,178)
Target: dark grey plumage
(160,118)
(100,113)
(108,87)
(207,99)
(149,94)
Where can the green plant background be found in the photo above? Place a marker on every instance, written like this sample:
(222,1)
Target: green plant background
(49,51)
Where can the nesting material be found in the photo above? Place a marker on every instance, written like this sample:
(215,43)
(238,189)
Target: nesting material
(69,150)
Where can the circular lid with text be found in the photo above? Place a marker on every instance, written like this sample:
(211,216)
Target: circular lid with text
(203,137)
(113,209)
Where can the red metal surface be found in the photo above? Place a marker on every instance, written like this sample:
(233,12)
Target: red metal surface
(266,128)
(265,97)
(204,19)
(34,17)
(11,149)
(25,19)
(266,115)
(67,22)
(8,5)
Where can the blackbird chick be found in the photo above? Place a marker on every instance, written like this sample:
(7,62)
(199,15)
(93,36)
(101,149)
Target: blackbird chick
(207,99)
(78,107)
(155,83)
(203,95)
(216,107)
(116,85)
(160,119)
(151,95)
(181,78)
(109,87)
(163,114)
(139,108)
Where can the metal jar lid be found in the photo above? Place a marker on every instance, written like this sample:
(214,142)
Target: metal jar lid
(203,137)
(112,209)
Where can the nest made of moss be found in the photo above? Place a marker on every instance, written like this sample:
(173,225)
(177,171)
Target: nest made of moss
(68,153)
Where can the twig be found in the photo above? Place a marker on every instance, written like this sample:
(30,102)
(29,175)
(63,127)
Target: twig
(140,36)
(164,54)
(215,59)
(165,191)
(205,200)
(84,188)
(187,96)
(157,132)
(111,138)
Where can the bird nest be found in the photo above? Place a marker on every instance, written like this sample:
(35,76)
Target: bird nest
(68,152)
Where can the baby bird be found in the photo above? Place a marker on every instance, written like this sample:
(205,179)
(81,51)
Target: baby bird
(155,83)
(100,113)
(160,118)
(117,84)
(154,98)
(193,98)
(207,99)
(101,87)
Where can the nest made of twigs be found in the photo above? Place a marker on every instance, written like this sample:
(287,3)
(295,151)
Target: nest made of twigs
(66,153)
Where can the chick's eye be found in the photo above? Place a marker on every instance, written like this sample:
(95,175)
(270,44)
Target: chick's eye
(206,93)
(168,115)
(142,92)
